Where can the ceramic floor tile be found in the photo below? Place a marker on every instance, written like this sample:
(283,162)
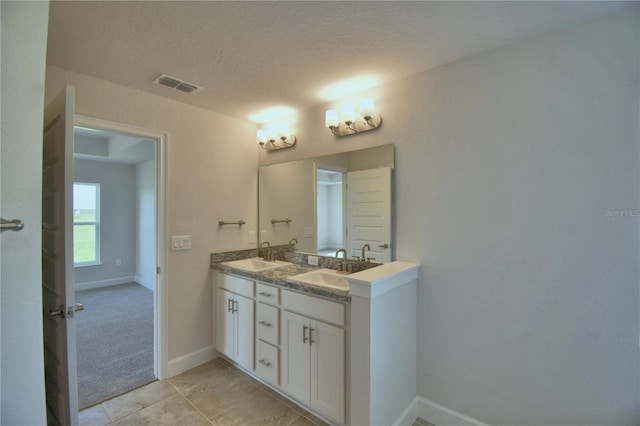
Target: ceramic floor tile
(313,419)
(94,416)
(302,421)
(172,411)
(295,407)
(185,381)
(221,392)
(138,399)
(256,409)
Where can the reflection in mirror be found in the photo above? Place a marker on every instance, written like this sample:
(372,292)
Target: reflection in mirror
(330,202)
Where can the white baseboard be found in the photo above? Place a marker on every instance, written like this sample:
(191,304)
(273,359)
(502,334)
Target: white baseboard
(189,361)
(436,414)
(103,283)
(147,282)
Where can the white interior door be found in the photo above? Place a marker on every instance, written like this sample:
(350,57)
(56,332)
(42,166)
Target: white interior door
(57,261)
(369,213)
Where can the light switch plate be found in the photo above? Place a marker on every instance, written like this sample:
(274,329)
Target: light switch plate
(181,242)
(252,237)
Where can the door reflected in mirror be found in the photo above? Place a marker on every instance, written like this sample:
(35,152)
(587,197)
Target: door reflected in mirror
(330,202)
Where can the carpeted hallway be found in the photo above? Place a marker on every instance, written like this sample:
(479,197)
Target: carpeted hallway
(114,341)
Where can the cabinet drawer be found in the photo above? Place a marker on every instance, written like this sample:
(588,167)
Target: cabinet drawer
(267,323)
(237,285)
(314,307)
(267,294)
(267,362)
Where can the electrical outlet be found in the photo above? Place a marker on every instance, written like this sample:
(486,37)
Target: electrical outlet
(312,260)
(181,242)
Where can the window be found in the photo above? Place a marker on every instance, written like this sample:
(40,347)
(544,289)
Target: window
(86,224)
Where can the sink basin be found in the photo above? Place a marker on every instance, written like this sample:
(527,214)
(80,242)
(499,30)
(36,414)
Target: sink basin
(323,278)
(255,264)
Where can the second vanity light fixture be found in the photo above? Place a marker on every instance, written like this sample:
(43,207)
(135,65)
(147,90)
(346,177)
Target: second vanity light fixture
(273,138)
(346,123)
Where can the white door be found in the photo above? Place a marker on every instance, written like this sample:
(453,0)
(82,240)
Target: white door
(369,213)
(296,357)
(58,298)
(243,313)
(224,323)
(327,370)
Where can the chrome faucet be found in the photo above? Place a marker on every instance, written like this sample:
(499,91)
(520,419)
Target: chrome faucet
(267,256)
(345,266)
(368,247)
(292,243)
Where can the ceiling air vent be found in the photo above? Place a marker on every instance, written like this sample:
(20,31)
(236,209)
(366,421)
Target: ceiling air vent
(174,83)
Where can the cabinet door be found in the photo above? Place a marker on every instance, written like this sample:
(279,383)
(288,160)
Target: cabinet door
(327,370)
(295,365)
(244,318)
(225,323)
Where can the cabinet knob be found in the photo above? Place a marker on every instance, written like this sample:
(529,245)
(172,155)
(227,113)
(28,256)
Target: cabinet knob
(265,363)
(265,323)
(265,294)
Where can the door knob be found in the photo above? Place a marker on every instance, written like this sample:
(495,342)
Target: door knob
(78,307)
(57,312)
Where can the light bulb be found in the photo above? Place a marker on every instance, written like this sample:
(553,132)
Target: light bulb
(366,107)
(261,135)
(271,135)
(348,114)
(283,131)
(331,118)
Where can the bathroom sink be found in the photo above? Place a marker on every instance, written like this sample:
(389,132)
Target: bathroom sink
(255,264)
(323,278)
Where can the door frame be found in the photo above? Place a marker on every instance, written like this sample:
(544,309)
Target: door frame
(160,329)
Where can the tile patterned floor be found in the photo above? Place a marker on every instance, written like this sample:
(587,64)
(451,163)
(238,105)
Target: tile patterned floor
(215,393)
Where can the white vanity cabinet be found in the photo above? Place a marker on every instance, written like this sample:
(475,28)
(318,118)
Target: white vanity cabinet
(313,353)
(235,318)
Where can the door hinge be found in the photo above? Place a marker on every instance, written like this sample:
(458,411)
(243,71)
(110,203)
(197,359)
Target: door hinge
(158,270)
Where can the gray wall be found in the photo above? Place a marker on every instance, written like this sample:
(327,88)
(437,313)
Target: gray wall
(118,221)
(509,166)
(528,304)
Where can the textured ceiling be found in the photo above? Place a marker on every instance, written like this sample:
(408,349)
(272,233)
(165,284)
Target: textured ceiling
(250,56)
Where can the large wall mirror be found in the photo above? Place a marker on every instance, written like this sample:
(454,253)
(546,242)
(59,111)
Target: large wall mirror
(330,202)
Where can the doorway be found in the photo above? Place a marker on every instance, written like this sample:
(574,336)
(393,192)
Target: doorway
(329,214)
(116,258)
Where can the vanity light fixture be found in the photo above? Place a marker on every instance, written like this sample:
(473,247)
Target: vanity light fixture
(347,123)
(273,138)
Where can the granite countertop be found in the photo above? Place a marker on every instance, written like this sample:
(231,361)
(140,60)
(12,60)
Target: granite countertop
(279,277)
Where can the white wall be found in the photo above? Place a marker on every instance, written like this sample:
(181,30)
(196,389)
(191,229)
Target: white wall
(507,163)
(146,220)
(23,35)
(118,222)
(212,175)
